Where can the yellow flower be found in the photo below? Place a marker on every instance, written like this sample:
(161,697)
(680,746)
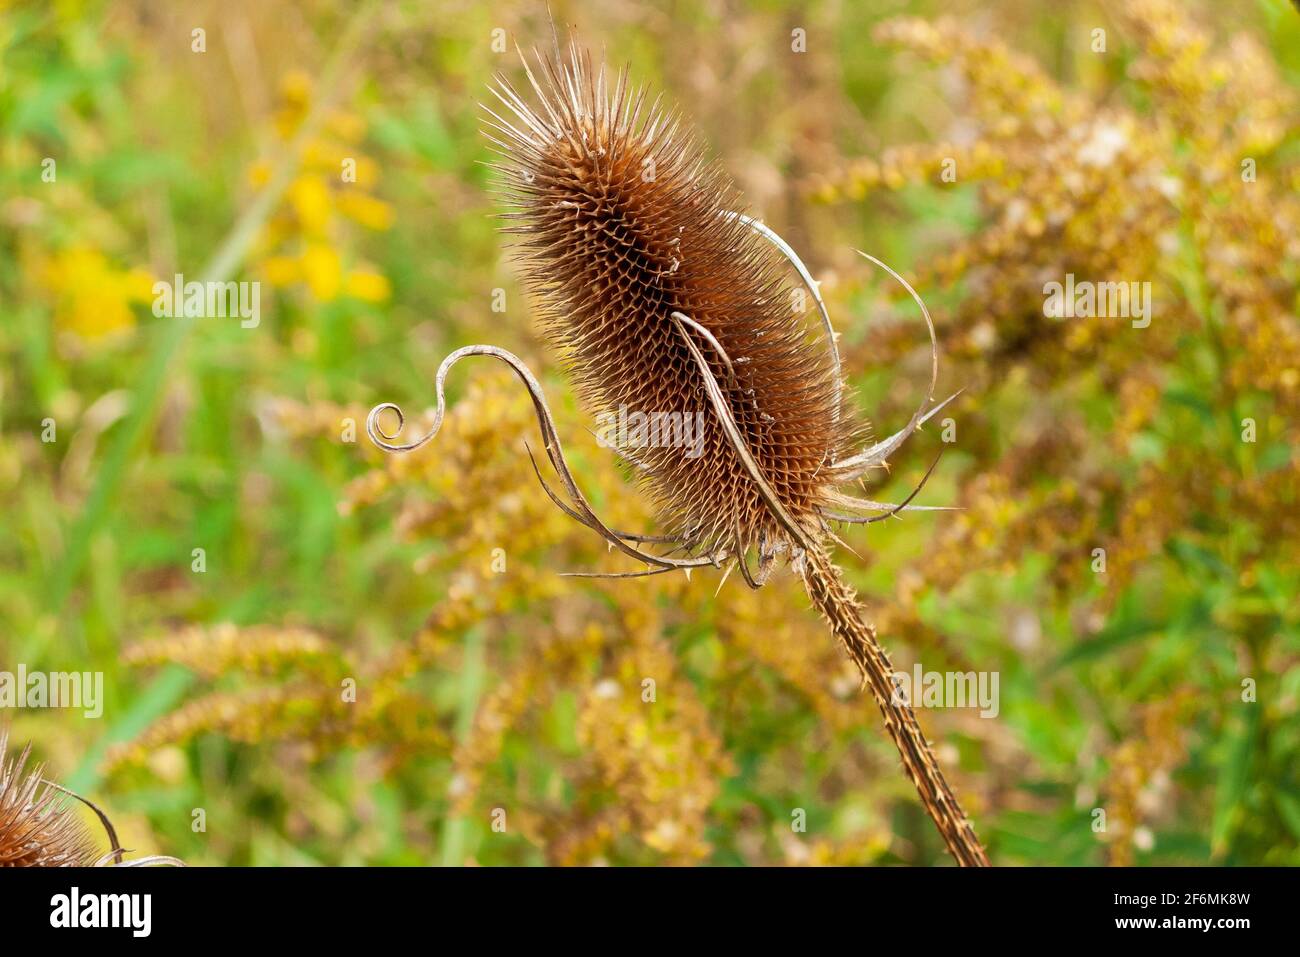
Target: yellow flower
(281,270)
(311,202)
(259,174)
(295,96)
(295,88)
(308,238)
(91,297)
(346,126)
(368,286)
(366,210)
(322,271)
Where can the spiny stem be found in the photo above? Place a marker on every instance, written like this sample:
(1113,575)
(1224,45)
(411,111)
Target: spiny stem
(836,600)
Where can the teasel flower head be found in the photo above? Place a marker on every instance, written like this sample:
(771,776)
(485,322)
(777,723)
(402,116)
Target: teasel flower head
(38,827)
(670,305)
(629,240)
(665,300)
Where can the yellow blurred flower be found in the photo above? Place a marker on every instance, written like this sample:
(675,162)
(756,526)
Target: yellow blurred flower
(368,286)
(347,126)
(322,271)
(295,97)
(311,203)
(307,240)
(91,297)
(259,174)
(366,210)
(281,270)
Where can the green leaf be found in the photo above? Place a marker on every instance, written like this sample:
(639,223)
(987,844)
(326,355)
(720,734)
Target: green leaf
(1288,805)
(1106,641)
(1233,781)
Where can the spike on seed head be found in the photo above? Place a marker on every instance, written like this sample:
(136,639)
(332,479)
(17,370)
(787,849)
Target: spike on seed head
(627,241)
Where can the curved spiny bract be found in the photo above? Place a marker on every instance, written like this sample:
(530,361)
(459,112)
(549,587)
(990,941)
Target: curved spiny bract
(622,222)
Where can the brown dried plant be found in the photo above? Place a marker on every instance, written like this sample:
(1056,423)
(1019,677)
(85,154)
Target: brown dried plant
(37,828)
(663,298)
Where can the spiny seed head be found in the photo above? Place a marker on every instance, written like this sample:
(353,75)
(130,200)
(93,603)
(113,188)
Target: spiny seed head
(622,221)
(37,829)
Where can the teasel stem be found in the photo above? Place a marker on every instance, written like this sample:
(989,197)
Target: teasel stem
(838,603)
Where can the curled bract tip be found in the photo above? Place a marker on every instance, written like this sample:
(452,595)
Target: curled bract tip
(385,440)
(578,507)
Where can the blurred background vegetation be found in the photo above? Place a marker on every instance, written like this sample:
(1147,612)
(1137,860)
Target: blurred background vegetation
(1161,690)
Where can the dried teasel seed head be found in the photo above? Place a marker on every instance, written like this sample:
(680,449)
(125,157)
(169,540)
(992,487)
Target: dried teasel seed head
(628,241)
(37,827)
